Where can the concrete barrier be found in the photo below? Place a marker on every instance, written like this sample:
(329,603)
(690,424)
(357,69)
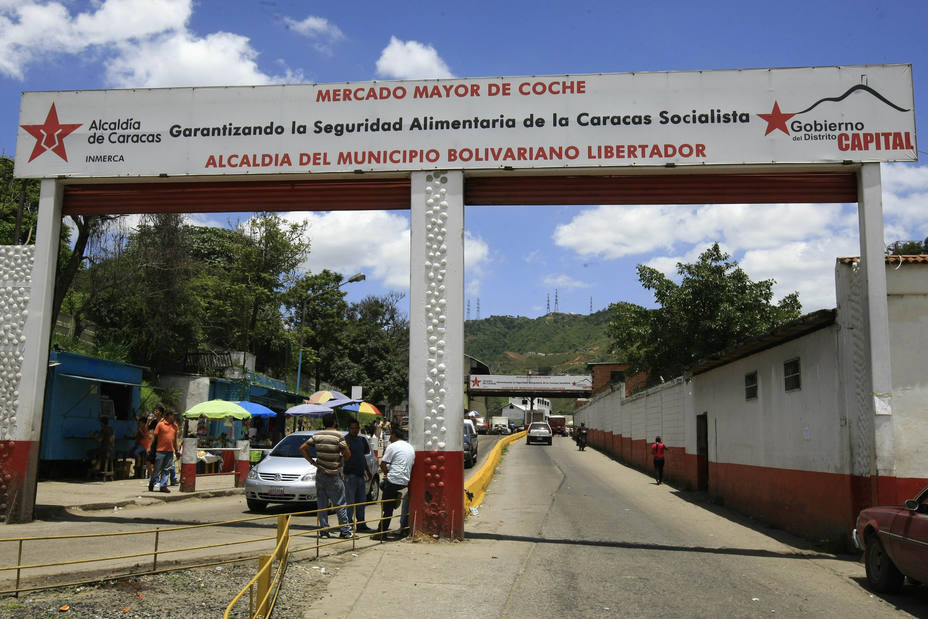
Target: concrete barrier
(476,487)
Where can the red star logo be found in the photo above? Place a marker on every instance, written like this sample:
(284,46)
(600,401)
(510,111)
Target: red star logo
(50,135)
(475,382)
(776,119)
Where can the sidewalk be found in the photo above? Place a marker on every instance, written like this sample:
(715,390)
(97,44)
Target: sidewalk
(57,497)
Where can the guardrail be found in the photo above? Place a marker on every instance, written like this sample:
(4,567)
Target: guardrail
(156,554)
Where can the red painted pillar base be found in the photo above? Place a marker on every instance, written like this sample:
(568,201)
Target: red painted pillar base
(436,494)
(188,466)
(242,462)
(18,465)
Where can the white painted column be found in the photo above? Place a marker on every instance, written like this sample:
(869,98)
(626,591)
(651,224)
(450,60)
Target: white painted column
(28,423)
(876,310)
(436,351)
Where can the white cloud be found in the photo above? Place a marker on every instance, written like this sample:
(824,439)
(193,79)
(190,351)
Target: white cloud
(411,60)
(181,59)
(141,43)
(319,30)
(375,242)
(30,31)
(564,281)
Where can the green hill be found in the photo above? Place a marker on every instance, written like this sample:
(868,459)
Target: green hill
(552,344)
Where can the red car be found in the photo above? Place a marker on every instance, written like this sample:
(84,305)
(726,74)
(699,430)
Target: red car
(895,543)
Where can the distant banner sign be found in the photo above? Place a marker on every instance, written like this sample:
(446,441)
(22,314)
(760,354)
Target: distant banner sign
(493,382)
(758,116)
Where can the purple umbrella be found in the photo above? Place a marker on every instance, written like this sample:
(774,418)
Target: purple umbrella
(308,410)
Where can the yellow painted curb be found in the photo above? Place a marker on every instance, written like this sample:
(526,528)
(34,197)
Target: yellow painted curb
(476,487)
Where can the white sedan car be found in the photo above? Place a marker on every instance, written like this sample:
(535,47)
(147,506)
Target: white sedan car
(538,432)
(284,475)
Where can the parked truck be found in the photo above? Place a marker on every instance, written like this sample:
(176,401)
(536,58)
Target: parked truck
(558,424)
(496,423)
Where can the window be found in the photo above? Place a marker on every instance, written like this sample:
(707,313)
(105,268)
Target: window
(750,386)
(792,379)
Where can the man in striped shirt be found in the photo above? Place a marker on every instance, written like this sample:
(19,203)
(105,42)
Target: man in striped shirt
(331,451)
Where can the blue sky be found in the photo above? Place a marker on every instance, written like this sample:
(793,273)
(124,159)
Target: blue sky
(516,257)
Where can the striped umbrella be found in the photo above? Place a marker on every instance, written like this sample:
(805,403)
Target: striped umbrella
(362,407)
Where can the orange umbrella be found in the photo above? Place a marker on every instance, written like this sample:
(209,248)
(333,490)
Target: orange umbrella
(321,397)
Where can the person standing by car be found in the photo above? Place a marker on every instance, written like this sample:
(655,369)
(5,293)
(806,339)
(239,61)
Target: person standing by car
(657,450)
(331,449)
(396,466)
(355,470)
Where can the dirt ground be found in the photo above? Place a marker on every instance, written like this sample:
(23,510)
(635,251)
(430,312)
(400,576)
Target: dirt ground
(192,593)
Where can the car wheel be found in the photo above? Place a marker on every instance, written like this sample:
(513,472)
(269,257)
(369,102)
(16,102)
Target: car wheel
(373,490)
(256,506)
(882,575)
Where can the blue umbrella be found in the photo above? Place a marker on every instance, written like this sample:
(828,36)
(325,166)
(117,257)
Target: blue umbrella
(257,410)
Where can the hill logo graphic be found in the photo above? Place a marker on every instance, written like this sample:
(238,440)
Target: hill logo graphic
(777,119)
(50,135)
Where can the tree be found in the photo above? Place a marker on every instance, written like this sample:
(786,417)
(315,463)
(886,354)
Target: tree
(145,298)
(715,306)
(908,248)
(377,349)
(318,320)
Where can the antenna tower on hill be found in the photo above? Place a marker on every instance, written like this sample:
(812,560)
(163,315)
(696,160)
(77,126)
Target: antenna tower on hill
(555,301)
(591,305)
(478,308)
(468,310)
(548,303)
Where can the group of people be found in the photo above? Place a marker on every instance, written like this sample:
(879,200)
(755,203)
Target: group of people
(342,475)
(157,441)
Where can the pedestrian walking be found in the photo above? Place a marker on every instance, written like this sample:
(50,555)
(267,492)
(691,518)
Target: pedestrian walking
(356,475)
(331,451)
(396,465)
(166,444)
(657,450)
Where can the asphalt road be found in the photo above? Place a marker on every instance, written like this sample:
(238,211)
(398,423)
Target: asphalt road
(598,539)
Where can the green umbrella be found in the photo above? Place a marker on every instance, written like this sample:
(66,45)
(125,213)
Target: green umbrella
(217,409)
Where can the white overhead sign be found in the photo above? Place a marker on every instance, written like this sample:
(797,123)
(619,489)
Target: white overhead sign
(535,384)
(758,116)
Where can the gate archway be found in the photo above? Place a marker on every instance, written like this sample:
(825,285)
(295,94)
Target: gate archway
(435,173)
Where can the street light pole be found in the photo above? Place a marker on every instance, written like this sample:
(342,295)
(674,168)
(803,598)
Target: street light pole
(357,277)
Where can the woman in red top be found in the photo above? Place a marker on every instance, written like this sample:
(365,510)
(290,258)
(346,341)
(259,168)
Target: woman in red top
(657,449)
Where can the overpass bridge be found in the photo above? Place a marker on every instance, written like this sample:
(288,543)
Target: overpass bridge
(531,386)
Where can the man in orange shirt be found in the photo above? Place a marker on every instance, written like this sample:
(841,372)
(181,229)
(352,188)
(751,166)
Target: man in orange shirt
(165,438)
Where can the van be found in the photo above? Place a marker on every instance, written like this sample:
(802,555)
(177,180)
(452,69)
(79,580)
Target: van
(469,444)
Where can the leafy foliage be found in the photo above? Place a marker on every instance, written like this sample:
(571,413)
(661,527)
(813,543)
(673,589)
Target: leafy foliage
(908,248)
(552,344)
(715,306)
(377,349)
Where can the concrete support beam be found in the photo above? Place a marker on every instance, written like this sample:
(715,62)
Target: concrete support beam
(20,458)
(876,309)
(436,352)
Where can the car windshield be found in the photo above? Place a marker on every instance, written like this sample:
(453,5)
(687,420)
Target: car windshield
(290,447)
(538,426)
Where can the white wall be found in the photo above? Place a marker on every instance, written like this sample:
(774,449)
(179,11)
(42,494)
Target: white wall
(799,429)
(907,286)
(657,411)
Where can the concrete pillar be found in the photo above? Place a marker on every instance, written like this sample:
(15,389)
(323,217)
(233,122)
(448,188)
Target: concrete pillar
(876,312)
(26,364)
(188,466)
(436,352)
